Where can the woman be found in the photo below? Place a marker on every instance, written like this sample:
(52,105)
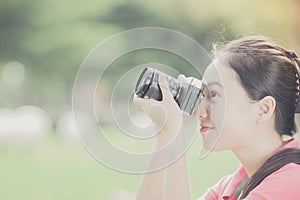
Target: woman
(247,108)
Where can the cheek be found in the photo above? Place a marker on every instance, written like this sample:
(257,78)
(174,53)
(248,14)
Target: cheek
(218,113)
(217,116)
(232,125)
(238,125)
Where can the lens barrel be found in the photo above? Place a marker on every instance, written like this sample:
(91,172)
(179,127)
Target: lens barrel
(185,94)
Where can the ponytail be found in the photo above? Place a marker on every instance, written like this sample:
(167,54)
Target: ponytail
(297,65)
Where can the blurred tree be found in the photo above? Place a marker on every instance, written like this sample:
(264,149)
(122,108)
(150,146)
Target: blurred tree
(130,15)
(297,23)
(133,15)
(16,24)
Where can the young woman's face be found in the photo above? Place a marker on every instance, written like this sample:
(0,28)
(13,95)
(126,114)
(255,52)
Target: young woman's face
(227,114)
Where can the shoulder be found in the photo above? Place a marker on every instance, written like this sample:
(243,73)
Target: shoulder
(282,184)
(226,187)
(287,173)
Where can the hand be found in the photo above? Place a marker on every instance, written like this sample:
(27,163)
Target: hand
(166,114)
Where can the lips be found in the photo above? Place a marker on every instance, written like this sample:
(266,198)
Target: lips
(205,128)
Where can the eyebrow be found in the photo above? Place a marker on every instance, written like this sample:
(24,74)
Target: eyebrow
(214,83)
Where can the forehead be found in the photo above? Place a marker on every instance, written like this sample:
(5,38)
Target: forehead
(218,73)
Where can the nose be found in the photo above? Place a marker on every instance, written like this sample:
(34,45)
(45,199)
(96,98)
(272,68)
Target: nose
(202,110)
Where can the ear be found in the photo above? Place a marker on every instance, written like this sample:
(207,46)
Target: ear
(266,107)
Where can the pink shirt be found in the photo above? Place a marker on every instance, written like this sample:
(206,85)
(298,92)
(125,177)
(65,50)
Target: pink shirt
(280,185)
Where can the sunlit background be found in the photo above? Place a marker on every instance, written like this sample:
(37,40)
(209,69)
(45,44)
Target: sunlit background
(43,44)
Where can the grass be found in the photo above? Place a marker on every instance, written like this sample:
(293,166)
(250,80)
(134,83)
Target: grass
(63,170)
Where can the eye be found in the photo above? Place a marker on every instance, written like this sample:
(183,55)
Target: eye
(210,96)
(213,94)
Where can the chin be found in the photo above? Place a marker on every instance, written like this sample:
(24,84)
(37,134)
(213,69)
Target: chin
(212,142)
(208,146)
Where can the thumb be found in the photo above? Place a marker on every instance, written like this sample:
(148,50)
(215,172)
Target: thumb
(142,102)
(164,87)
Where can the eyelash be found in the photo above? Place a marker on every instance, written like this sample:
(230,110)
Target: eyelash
(211,95)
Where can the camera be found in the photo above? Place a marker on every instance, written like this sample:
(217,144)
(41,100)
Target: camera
(186,94)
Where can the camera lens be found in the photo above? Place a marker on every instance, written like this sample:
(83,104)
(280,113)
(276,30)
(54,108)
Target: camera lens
(147,85)
(185,94)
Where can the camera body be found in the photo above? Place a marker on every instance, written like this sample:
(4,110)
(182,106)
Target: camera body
(186,94)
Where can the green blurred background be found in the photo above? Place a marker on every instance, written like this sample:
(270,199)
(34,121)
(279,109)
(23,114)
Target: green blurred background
(43,44)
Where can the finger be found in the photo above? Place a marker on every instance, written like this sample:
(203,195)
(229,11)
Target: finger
(181,78)
(164,86)
(196,82)
(189,79)
(142,102)
(137,100)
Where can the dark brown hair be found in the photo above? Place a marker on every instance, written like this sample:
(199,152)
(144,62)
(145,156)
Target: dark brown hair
(266,69)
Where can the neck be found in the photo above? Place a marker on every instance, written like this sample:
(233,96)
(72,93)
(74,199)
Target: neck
(256,152)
